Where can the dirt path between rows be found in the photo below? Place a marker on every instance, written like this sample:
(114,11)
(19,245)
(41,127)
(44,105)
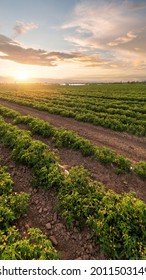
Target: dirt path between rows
(130,146)
(70,243)
(106,174)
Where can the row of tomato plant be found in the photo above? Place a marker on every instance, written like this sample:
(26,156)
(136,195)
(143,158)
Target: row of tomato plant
(101,106)
(127,93)
(33,153)
(135,92)
(118,222)
(34,245)
(118,122)
(92,104)
(67,138)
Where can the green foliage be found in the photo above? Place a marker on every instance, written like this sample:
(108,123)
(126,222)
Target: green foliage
(123,163)
(41,127)
(118,222)
(7,112)
(140,169)
(22,119)
(36,125)
(77,179)
(8,237)
(78,196)
(49,176)
(34,154)
(64,138)
(34,246)
(13,137)
(120,226)
(119,107)
(5,181)
(12,206)
(105,155)
(69,139)
(86,148)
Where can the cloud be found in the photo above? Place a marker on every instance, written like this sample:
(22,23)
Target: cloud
(135,6)
(108,25)
(23,27)
(14,51)
(122,40)
(2,54)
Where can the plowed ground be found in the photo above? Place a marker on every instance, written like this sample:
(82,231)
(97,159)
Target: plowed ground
(73,244)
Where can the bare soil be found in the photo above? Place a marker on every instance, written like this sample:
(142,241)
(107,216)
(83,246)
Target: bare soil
(106,174)
(131,146)
(71,243)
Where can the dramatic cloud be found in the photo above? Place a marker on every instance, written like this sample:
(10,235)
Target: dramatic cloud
(23,27)
(14,51)
(107,35)
(109,25)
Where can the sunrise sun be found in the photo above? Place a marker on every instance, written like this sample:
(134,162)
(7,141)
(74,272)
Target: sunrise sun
(22,76)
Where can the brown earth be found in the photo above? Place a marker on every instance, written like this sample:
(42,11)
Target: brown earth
(71,243)
(106,174)
(131,146)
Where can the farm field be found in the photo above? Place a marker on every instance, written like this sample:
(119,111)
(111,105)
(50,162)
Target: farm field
(79,151)
(120,107)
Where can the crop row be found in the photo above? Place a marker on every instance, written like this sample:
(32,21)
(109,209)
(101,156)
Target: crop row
(102,108)
(118,122)
(122,108)
(12,246)
(118,222)
(69,139)
(131,108)
(136,92)
(33,153)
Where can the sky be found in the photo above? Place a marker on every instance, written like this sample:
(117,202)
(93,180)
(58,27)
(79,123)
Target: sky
(70,40)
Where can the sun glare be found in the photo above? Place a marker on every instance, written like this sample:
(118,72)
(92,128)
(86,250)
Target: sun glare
(22,76)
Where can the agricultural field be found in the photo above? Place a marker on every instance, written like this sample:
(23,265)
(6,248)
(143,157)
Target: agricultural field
(119,107)
(73,157)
